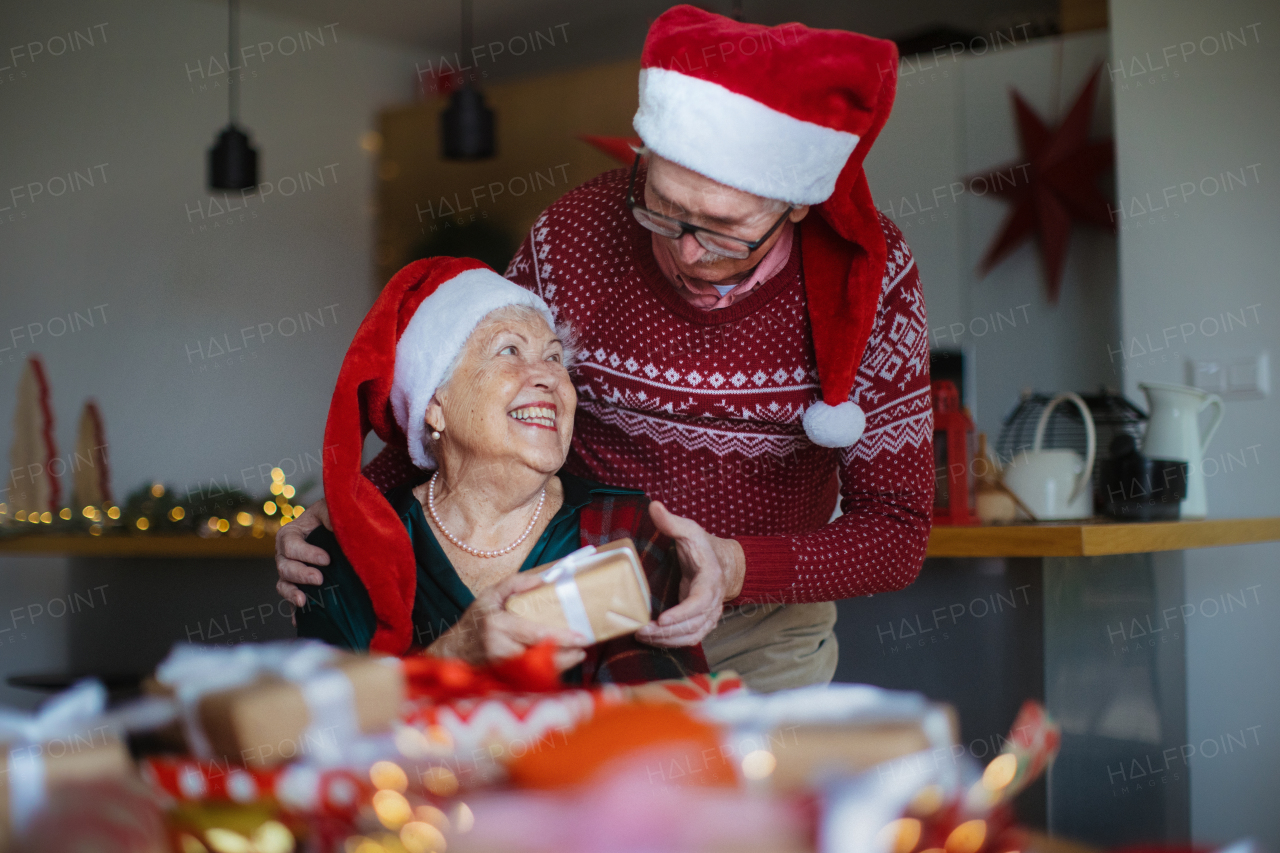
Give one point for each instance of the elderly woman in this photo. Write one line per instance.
(470, 371)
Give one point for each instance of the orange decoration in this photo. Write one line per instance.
(968, 837)
(671, 746)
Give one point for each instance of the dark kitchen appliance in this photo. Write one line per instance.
(1134, 487)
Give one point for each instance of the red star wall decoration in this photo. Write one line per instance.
(620, 148)
(1054, 184)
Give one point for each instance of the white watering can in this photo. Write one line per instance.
(1054, 484)
(1173, 432)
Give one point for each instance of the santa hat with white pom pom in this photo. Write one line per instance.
(788, 113)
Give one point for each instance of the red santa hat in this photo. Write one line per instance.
(397, 360)
(788, 113)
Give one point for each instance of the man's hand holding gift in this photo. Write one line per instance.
(712, 570)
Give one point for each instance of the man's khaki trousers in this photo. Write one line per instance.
(776, 646)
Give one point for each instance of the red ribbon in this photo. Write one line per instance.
(444, 679)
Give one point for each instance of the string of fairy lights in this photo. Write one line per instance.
(158, 509)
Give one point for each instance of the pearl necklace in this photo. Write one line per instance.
(476, 552)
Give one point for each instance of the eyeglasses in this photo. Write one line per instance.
(712, 241)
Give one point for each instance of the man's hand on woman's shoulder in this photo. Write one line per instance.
(296, 558)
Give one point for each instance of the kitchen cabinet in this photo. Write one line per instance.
(1090, 618)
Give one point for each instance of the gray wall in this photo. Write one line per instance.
(141, 104)
(1208, 104)
(953, 120)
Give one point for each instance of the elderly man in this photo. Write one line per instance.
(753, 341)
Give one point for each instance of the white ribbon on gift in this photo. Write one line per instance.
(194, 671)
(563, 575)
(63, 715)
(751, 716)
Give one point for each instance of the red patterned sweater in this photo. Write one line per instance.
(702, 409)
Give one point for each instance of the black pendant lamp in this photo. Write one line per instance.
(233, 162)
(466, 125)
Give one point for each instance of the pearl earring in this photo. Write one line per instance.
(435, 435)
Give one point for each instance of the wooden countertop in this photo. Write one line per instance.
(1096, 539)
(1065, 539)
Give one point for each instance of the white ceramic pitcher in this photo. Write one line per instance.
(1054, 484)
(1173, 432)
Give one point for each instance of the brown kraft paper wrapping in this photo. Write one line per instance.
(265, 723)
(614, 591)
(807, 752)
(72, 759)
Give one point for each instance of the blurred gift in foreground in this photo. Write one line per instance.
(261, 705)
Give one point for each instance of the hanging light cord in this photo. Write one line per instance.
(467, 24)
(1056, 91)
(467, 36)
(233, 42)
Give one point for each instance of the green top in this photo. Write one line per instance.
(339, 611)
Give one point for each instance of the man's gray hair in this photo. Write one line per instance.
(776, 205)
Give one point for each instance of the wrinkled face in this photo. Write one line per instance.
(510, 401)
(680, 193)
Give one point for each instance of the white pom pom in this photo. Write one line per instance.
(299, 787)
(834, 426)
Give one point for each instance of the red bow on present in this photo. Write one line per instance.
(444, 679)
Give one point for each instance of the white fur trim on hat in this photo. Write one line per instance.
(434, 337)
(834, 426)
(738, 141)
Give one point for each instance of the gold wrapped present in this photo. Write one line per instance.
(805, 753)
(261, 705)
(794, 739)
(29, 772)
(600, 593)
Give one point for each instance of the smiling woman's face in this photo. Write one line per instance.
(510, 399)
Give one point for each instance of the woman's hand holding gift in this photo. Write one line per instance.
(487, 633)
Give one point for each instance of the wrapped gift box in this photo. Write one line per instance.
(29, 772)
(805, 753)
(600, 592)
(480, 735)
(264, 704)
(795, 739)
(269, 721)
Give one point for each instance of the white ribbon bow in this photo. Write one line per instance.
(58, 717)
(64, 715)
(563, 575)
(193, 671)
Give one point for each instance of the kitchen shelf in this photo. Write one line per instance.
(1097, 538)
(1066, 539)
